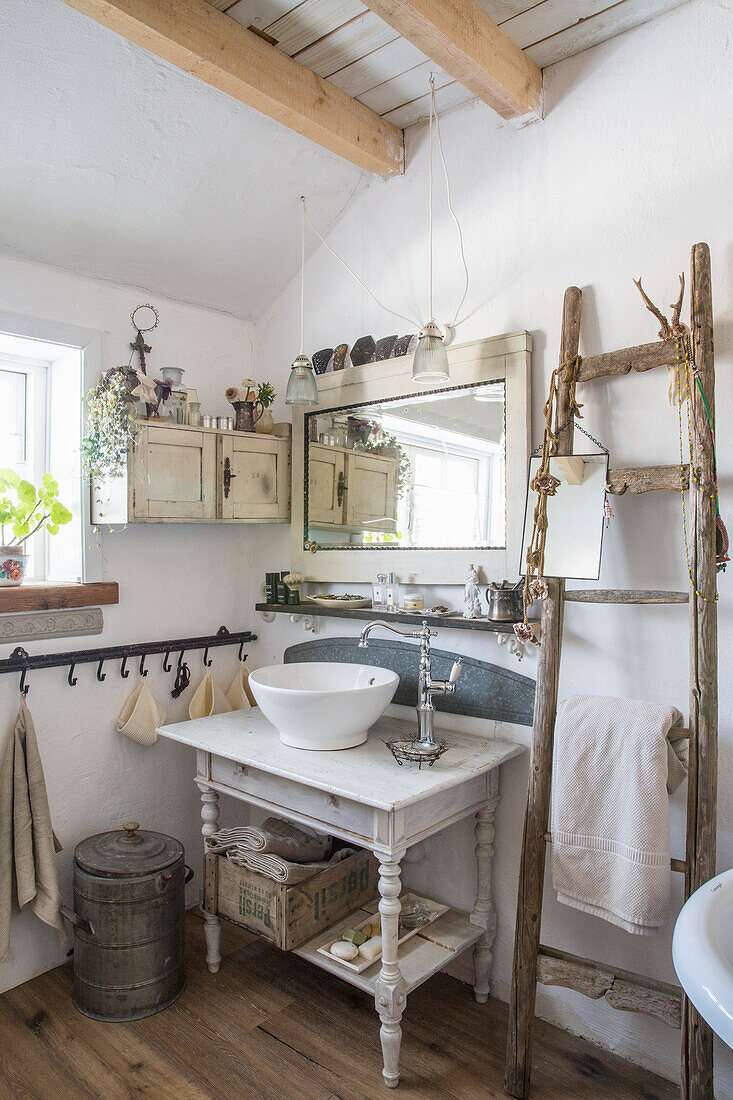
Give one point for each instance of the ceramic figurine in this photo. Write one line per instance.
(471, 595)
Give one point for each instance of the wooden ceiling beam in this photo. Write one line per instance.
(461, 38)
(196, 37)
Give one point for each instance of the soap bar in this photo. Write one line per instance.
(357, 937)
(371, 948)
(343, 950)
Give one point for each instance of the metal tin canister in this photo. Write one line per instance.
(129, 909)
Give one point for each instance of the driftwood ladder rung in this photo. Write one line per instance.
(624, 595)
(549, 966)
(622, 989)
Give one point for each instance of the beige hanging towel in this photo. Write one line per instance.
(208, 699)
(141, 716)
(613, 771)
(28, 844)
(240, 695)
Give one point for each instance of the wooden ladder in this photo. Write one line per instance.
(533, 962)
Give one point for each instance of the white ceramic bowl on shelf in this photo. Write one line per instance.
(323, 705)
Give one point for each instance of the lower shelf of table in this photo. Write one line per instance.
(419, 958)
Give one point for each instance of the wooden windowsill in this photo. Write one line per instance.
(41, 596)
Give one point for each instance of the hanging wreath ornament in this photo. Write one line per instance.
(545, 485)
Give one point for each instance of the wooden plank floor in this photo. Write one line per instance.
(271, 1027)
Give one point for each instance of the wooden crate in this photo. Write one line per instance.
(289, 915)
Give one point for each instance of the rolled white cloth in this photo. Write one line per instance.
(274, 837)
(615, 763)
(281, 870)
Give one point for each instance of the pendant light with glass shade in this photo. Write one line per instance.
(430, 362)
(302, 387)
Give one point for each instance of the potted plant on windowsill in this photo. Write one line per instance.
(24, 509)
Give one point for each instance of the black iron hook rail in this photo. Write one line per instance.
(21, 661)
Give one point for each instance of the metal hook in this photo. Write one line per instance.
(101, 675)
(240, 657)
(71, 679)
(207, 659)
(180, 659)
(166, 666)
(24, 687)
(143, 670)
(124, 670)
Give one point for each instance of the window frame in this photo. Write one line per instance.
(88, 342)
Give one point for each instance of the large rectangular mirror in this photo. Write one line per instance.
(424, 470)
(392, 475)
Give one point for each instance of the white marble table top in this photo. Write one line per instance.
(368, 774)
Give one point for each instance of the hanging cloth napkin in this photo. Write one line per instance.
(141, 716)
(274, 837)
(208, 699)
(281, 870)
(240, 694)
(613, 770)
(28, 844)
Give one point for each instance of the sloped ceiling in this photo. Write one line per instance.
(118, 166)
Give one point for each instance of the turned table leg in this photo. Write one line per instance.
(483, 910)
(210, 811)
(390, 995)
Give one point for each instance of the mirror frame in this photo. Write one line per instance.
(506, 358)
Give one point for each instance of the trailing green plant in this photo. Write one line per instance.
(266, 394)
(25, 509)
(385, 443)
(112, 423)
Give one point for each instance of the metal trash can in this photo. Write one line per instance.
(129, 910)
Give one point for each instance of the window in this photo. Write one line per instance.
(40, 431)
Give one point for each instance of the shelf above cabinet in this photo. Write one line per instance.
(366, 613)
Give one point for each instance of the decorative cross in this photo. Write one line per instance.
(142, 348)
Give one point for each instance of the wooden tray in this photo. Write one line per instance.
(358, 964)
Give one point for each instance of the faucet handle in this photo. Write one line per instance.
(455, 672)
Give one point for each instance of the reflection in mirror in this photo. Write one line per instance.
(424, 471)
(574, 517)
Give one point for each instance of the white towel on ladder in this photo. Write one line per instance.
(613, 770)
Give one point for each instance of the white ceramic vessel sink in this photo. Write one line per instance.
(323, 705)
(702, 950)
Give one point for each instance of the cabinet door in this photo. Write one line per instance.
(371, 492)
(326, 486)
(256, 483)
(174, 474)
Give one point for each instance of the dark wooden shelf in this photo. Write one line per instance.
(366, 613)
(53, 597)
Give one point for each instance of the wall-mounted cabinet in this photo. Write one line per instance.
(351, 490)
(198, 475)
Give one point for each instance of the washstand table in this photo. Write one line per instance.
(363, 796)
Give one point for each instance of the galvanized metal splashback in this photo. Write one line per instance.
(483, 691)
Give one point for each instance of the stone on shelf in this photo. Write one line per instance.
(402, 346)
(384, 348)
(321, 359)
(363, 351)
(340, 355)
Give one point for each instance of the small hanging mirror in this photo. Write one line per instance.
(575, 515)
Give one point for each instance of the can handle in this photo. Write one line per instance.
(189, 874)
(77, 921)
(166, 876)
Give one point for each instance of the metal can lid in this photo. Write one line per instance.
(127, 852)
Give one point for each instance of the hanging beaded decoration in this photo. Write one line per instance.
(685, 392)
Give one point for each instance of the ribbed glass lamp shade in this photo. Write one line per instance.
(302, 388)
(430, 362)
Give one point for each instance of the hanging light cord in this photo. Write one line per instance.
(353, 274)
(302, 281)
(430, 202)
(322, 239)
(434, 112)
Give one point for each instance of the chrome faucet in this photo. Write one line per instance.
(427, 686)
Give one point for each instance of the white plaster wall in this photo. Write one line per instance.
(633, 164)
(175, 581)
